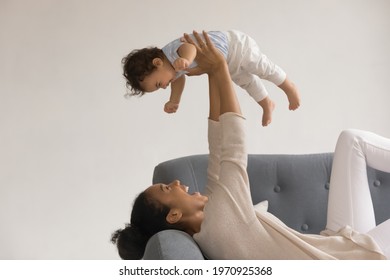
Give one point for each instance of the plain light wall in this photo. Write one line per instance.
(74, 152)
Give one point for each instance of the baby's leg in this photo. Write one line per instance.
(256, 89)
(255, 62)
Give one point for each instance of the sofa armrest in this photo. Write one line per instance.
(172, 245)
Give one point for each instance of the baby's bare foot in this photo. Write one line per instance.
(268, 107)
(293, 97)
(292, 93)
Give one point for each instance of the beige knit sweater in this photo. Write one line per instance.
(232, 229)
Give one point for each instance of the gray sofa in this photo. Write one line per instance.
(295, 186)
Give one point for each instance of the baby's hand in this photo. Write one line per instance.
(181, 64)
(171, 107)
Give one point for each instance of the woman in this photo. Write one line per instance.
(224, 222)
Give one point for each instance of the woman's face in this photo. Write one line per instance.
(176, 196)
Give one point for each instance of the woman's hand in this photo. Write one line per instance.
(208, 57)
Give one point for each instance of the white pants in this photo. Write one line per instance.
(248, 65)
(350, 200)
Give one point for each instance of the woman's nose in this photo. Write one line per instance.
(176, 183)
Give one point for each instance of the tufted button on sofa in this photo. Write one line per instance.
(296, 187)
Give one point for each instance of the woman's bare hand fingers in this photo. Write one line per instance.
(207, 38)
(199, 39)
(189, 40)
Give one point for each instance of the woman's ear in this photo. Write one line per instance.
(174, 216)
(157, 62)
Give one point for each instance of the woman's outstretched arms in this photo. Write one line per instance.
(229, 166)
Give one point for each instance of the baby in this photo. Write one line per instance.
(149, 69)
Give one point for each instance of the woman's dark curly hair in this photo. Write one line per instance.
(147, 218)
(137, 65)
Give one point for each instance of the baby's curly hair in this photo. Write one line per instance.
(137, 65)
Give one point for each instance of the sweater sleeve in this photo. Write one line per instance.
(233, 162)
(214, 140)
(227, 154)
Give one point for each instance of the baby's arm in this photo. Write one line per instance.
(187, 53)
(177, 88)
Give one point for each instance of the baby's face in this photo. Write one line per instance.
(161, 77)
